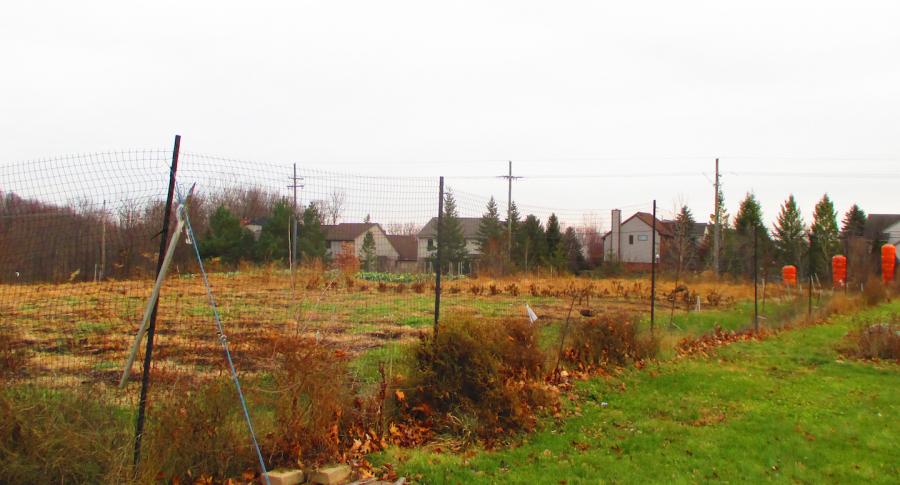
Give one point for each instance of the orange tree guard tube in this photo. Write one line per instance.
(888, 260)
(789, 275)
(839, 270)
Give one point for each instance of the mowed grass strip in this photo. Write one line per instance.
(787, 409)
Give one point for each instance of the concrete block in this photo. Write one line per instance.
(286, 477)
(333, 475)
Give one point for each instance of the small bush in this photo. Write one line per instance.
(418, 287)
(197, 431)
(477, 371)
(62, 438)
(13, 353)
(874, 292)
(611, 338)
(876, 341)
(312, 390)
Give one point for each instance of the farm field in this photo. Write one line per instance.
(79, 333)
(786, 409)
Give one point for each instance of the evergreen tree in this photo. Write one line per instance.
(311, 240)
(367, 252)
(273, 239)
(824, 231)
(706, 248)
(225, 238)
(492, 239)
(854, 222)
(532, 242)
(513, 225)
(684, 245)
(490, 229)
(790, 234)
(554, 234)
(451, 239)
(574, 254)
(748, 224)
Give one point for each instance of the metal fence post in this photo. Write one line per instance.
(755, 281)
(812, 239)
(438, 259)
(148, 353)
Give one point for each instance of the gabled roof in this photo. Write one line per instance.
(469, 227)
(664, 228)
(406, 247)
(347, 231)
(876, 224)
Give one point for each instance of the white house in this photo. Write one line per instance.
(629, 241)
(353, 234)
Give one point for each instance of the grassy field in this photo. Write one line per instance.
(79, 333)
(786, 409)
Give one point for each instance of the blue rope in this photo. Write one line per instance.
(224, 341)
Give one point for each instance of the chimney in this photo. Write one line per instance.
(616, 236)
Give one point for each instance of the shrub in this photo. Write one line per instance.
(13, 353)
(874, 292)
(197, 431)
(312, 390)
(478, 371)
(61, 438)
(610, 338)
(876, 341)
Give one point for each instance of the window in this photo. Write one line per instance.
(430, 244)
(642, 237)
(631, 239)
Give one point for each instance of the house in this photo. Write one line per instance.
(407, 253)
(352, 234)
(427, 241)
(883, 229)
(628, 242)
(254, 226)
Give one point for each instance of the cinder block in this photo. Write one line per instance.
(286, 477)
(333, 475)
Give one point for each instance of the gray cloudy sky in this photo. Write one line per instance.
(644, 88)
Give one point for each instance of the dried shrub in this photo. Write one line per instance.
(382, 286)
(874, 292)
(13, 353)
(493, 289)
(311, 392)
(875, 341)
(346, 261)
(418, 287)
(61, 438)
(611, 338)
(476, 289)
(481, 373)
(198, 430)
(400, 288)
(512, 289)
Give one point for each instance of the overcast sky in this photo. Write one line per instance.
(655, 90)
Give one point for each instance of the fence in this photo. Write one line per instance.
(345, 259)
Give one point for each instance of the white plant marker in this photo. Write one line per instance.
(531, 315)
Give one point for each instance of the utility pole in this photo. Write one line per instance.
(509, 178)
(102, 243)
(294, 185)
(716, 228)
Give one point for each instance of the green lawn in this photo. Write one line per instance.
(787, 409)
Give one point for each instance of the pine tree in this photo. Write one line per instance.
(492, 239)
(854, 222)
(684, 246)
(311, 240)
(532, 242)
(706, 248)
(513, 225)
(367, 252)
(490, 229)
(574, 253)
(748, 224)
(789, 234)
(554, 234)
(273, 239)
(824, 231)
(451, 239)
(225, 238)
